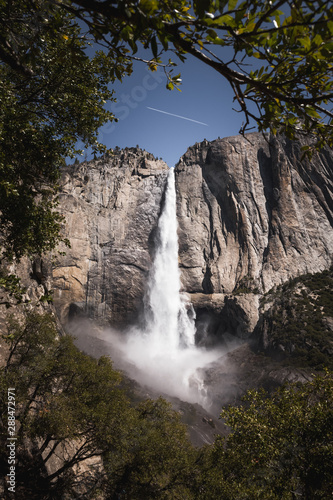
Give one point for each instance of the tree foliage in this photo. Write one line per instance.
(297, 321)
(158, 460)
(280, 446)
(72, 406)
(62, 397)
(52, 95)
(71, 409)
(288, 88)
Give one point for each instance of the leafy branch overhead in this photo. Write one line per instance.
(277, 55)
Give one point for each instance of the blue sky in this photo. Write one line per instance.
(205, 97)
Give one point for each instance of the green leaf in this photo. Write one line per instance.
(200, 7)
(330, 26)
(164, 41)
(312, 112)
(306, 42)
(149, 6)
(227, 19)
(211, 33)
(261, 71)
(153, 44)
(232, 4)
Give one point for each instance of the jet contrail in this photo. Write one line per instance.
(178, 116)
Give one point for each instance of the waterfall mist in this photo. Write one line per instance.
(163, 351)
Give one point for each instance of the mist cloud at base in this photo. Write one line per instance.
(178, 374)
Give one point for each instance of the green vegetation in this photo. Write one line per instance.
(280, 447)
(79, 436)
(71, 405)
(12, 285)
(290, 85)
(156, 461)
(300, 321)
(52, 95)
(246, 285)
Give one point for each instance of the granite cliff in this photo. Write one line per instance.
(111, 206)
(252, 214)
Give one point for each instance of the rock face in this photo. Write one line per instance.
(111, 206)
(251, 214)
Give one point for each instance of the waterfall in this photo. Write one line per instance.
(162, 354)
(169, 327)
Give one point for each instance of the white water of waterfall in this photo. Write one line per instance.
(163, 352)
(168, 325)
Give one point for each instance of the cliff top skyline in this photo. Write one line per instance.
(165, 122)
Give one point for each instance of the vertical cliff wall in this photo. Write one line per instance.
(252, 214)
(111, 206)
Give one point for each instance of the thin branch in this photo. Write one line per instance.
(53, 449)
(267, 14)
(9, 57)
(241, 78)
